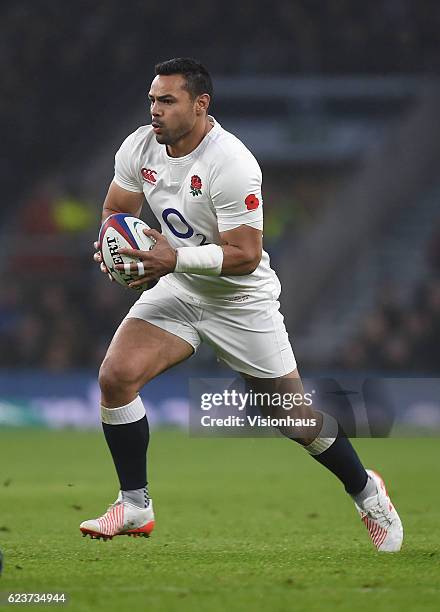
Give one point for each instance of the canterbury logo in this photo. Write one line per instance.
(148, 175)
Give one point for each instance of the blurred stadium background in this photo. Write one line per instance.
(339, 102)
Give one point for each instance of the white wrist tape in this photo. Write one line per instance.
(206, 260)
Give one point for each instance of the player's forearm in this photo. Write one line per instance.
(242, 250)
(237, 262)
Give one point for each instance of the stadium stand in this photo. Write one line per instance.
(65, 91)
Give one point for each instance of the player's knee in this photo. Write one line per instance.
(115, 376)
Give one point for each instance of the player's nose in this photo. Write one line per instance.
(155, 110)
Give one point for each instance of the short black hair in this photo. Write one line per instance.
(197, 77)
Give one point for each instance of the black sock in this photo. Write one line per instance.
(341, 459)
(128, 445)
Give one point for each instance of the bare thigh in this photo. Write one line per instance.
(138, 352)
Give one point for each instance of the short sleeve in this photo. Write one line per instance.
(235, 190)
(126, 174)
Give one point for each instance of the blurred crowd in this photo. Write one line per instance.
(402, 334)
(59, 326)
(398, 337)
(66, 319)
(66, 73)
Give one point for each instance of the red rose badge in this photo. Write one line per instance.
(252, 202)
(196, 185)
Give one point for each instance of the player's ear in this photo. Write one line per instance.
(202, 103)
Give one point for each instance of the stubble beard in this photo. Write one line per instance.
(171, 139)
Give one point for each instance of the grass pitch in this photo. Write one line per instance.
(242, 524)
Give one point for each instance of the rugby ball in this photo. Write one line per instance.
(122, 231)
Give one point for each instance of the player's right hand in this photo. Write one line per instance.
(97, 257)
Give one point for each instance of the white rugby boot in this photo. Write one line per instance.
(381, 518)
(121, 518)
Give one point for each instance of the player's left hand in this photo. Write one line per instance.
(159, 261)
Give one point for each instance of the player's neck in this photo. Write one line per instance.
(190, 141)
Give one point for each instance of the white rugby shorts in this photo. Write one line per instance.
(248, 335)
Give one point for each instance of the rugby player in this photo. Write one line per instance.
(215, 285)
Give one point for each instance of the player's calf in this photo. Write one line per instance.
(283, 397)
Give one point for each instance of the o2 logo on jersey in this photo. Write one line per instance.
(252, 202)
(148, 175)
(184, 229)
(196, 185)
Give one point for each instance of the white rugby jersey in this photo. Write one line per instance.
(216, 187)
